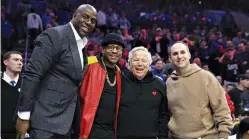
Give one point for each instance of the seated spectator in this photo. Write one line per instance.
(158, 69)
(243, 129)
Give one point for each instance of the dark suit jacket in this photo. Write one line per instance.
(50, 84)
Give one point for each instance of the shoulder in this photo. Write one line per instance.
(92, 60)
(159, 82)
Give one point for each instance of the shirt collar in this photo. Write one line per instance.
(7, 78)
(76, 35)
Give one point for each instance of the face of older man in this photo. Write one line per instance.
(139, 64)
(180, 55)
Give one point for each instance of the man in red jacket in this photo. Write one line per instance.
(101, 90)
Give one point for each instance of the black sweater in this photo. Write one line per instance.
(9, 100)
(143, 111)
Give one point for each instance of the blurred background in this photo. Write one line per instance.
(212, 28)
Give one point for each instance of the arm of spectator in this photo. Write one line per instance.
(220, 60)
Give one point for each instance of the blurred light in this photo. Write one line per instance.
(199, 2)
(155, 18)
(203, 19)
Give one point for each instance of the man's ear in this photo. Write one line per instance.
(5, 62)
(170, 60)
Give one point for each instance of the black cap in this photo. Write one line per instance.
(113, 38)
(243, 127)
(242, 77)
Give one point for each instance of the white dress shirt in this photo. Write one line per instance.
(81, 43)
(7, 79)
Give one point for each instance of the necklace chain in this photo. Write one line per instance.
(107, 77)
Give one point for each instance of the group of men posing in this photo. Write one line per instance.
(65, 94)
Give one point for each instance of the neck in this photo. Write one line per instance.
(181, 71)
(12, 75)
(108, 63)
(240, 87)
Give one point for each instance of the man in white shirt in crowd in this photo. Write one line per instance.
(10, 83)
(34, 24)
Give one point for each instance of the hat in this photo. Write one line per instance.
(243, 127)
(242, 77)
(113, 38)
(158, 29)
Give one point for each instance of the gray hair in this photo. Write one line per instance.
(138, 49)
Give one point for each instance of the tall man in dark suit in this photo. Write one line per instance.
(49, 104)
(10, 82)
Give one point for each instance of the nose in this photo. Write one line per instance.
(114, 50)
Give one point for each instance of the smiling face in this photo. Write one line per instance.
(139, 64)
(84, 19)
(112, 53)
(180, 55)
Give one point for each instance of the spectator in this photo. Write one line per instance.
(112, 19)
(101, 18)
(34, 24)
(124, 23)
(158, 71)
(235, 93)
(159, 44)
(11, 82)
(204, 52)
(53, 21)
(230, 67)
(127, 39)
(242, 58)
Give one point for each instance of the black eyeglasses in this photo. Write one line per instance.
(112, 47)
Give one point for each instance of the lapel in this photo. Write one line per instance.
(75, 52)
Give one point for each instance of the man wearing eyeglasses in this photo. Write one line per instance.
(101, 90)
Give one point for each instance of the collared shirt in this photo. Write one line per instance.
(8, 80)
(81, 43)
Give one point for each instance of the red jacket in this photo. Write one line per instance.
(90, 93)
(230, 104)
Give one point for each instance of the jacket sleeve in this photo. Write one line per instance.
(164, 117)
(230, 104)
(41, 61)
(219, 106)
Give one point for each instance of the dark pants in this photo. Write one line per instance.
(41, 134)
(8, 135)
(33, 32)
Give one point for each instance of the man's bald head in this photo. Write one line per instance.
(179, 44)
(86, 8)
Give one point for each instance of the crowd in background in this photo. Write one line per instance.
(221, 49)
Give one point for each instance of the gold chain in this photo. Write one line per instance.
(107, 77)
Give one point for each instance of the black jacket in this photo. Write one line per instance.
(143, 111)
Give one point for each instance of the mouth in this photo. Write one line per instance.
(85, 29)
(139, 69)
(180, 61)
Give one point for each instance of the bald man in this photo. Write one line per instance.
(49, 106)
(196, 100)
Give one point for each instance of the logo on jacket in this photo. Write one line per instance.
(154, 93)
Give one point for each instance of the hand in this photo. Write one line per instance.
(22, 127)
